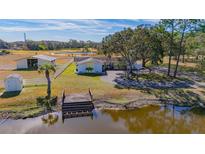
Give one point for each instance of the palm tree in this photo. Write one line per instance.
(47, 68)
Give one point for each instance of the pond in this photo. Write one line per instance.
(150, 119)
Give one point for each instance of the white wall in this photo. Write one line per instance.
(13, 84)
(22, 64)
(81, 68)
(97, 68)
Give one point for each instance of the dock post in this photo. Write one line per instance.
(91, 96)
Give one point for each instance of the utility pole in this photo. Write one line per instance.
(25, 37)
(25, 41)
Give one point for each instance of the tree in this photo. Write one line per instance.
(148, 45)
(169, 33)
(86, 48)
(122, 43)
(195, 44)
(47, 69)
(4, 45)
(42, 46)
(184, 27)
(107, 49)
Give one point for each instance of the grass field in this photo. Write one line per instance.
(24, 104)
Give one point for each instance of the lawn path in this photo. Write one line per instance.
(62, 68)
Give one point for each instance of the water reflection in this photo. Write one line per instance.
(155, 119)
(66, 115)
(150, 119)
(50, 119)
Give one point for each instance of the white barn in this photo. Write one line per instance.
(13, 82)
(34, 62)
(90, 65)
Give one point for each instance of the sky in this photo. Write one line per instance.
(64, 30)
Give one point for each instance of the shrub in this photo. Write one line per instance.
(47, 103)
(4, 52)
(201, 65)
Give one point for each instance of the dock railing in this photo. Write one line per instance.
(63, 96)
(91, 96)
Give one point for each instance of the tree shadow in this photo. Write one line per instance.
(10, 94)
(153, 81)
(25, 69)
(177, 96)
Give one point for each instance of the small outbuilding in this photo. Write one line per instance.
(90, 65)
(34, 62)
(137, 66)
(13, 82)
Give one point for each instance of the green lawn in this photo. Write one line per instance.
(24, 103)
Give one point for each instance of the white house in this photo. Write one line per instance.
(90, 65)
(34, 62)
(13, 82)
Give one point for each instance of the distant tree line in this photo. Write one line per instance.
(47, 45)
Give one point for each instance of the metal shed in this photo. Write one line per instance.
(13, 82)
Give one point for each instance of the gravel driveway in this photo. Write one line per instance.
(111, 76)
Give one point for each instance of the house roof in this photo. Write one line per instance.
(15, 76)
(45, 57)
(90, 60)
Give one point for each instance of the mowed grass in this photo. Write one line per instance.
(73, 83)
(24, 104)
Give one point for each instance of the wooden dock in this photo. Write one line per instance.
(77, 105)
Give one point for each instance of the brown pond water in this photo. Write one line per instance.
(151, 119)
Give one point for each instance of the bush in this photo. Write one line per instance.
(47, 103)
(201, 65)
(4, 52)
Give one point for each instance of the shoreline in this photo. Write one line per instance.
(136, 104)
(101, 105)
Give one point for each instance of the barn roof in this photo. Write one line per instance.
(90, 60)
(45, 57)
(14, 76)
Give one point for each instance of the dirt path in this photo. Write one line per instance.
(62, 68)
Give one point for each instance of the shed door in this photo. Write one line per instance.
(32, 63)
